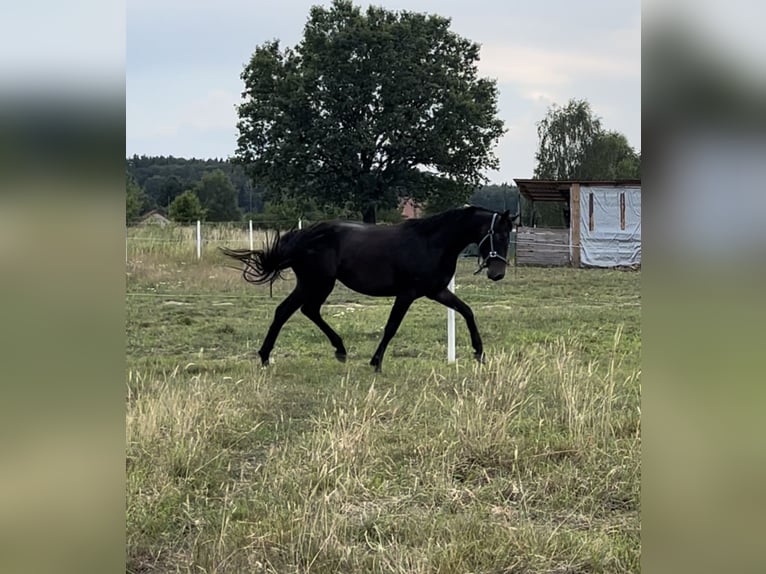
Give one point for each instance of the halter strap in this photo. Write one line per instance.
(492, 253)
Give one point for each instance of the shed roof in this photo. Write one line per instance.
(558, 189)
(154, 216)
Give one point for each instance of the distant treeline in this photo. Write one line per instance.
(163, 178)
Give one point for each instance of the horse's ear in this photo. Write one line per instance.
(511, 219)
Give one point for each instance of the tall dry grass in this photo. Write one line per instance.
(173, 243)
(515, 466)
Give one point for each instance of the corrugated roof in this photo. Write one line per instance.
(558, 190)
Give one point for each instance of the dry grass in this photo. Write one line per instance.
(175, 243)
(481, 472)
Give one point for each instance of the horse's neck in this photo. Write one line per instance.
(465, 230)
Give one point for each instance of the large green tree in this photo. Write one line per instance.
(218, 196)
(572, 144)
(369, 108)
(186, 208)
(611, 157)
(135, 200)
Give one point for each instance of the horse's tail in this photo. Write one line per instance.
(263, 265)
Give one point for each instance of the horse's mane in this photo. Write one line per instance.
(425, 225)
(441, 220)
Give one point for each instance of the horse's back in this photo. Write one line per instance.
(374, 260)
(384, 260)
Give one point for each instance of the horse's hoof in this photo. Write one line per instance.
(375, 362)
(340, 356)
(481, 358)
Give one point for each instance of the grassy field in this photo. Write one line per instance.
(530, 463)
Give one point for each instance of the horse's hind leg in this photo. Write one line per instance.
(311, 308)
(283, 312)
(399, 310)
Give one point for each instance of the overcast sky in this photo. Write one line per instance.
(184, 59)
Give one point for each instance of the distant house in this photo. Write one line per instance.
(154, 217)
(410, 209)
(603, 228)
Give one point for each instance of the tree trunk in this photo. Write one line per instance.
(369, 214)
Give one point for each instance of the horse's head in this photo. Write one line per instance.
(493, 246)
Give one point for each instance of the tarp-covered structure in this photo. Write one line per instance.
(604, 224)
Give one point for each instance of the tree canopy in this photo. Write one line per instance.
(218, 197)
(572, 144)
(186, 208)
(497, 198)
(163, 178)
(135, 199)
(369, 108)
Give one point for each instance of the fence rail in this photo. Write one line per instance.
(185, 240)
(192, 239)
(182, 240)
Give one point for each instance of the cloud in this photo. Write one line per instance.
(536, 67)
(215, 110)
(539, 96)
(543, 74)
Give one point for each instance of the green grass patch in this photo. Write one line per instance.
(529, 463)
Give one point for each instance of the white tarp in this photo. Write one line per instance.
(608, 244)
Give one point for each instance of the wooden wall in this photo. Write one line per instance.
(543, 247)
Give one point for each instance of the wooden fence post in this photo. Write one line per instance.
(574, 222)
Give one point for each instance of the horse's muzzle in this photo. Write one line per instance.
(496, 269)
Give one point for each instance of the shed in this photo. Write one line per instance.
(154, 217)
(604, 224)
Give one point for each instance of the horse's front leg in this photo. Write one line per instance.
(399, 310)
(449, 299)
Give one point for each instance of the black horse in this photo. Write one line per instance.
(416, 258)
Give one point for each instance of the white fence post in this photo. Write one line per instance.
(300, 223)
(451, 327)
(199, 239)
(251, 235)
